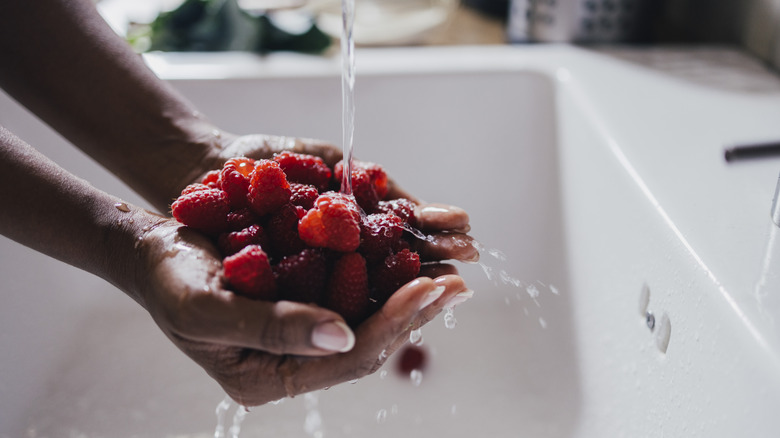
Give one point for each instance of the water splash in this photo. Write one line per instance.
(415, 337)
(416, 377)
(222, 413)
(449, 318)
(418, 234)
(238, 419)
(312, 425)
(381, 416)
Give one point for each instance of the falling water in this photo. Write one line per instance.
(347, 92)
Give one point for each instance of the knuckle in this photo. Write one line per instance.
(272, 335)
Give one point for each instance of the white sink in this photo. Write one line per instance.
(597, 177)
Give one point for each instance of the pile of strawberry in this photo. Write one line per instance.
(286, 233)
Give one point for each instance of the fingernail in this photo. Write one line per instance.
(435, 209)
(333, 336)
(432, 296)
(460, 298)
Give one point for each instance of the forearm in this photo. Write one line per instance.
(58, 214)
(65, 64)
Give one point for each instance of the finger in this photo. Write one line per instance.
(433, 270)
(455, 292)
(442, 217)
(373, 336)
(447, 246)
(378, 337)
(283, 327)
(444, 289)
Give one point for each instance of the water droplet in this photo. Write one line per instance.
(415, 337)
(453, 410)
(497, 254)
(554, 290)
(381, 416)
(277, 402)
(417, 233)
(121, 206)
(533, 291)
(353, 381)
(542, 322)
(416, 377)
(221, 412)
(313, 421)
(146, 228)
(382, 356)
(449, 319)
(238, 419)
(216, 133)
(489, 271)
(383, 374)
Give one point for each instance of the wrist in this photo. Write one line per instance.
(128, 240)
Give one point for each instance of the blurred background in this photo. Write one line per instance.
(311, 26)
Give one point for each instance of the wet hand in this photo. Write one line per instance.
(263, 351)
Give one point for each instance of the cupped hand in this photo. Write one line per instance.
(262, 351)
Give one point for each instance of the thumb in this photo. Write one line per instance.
(282, 327)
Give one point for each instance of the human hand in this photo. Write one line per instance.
(262, 351)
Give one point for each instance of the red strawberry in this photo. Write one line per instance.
(233, 242)
(234, 180)
(347, 292)
(333, 223)
(282, 231)
(305, 169)
(302, 277)
(379, 235)
(204, 210)
(303, 195)
(249, 273)
(268, 187)
(401, 207)
(395, 271)
(211, 179)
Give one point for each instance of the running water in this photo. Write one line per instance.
(222, 413)
(347, 92)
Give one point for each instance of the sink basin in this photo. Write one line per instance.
(620, 292)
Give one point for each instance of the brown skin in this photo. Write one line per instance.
(78, 76)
